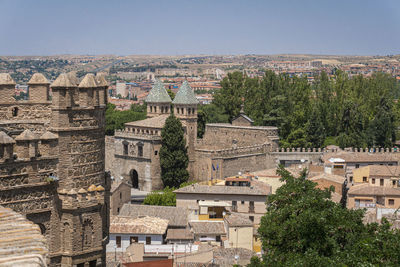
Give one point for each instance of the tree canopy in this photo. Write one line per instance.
(173, 153)
(334, 109)
(303, 227)
(115, 119)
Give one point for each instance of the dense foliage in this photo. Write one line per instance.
(165, 197)
(173, 153)
(115, 119)
(303, 227)
(335, 109)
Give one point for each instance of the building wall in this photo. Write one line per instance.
(191, 200)
(219, 136)
(241, 237)
(359, 173)
(383, 199)
(146, 166)
(119, 197)
(125, 241)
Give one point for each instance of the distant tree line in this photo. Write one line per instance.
(349, 112)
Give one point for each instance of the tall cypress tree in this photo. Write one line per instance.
(173, 153)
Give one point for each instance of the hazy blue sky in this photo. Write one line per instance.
(46, 27)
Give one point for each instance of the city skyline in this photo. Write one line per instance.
(188, 27)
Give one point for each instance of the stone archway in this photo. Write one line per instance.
(134, 178)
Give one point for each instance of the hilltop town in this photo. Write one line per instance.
(91, 185)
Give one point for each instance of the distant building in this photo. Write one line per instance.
(377, 175)
(127, 230)
(120, 194)
(121, 90)
(214, 201)
(369, 196)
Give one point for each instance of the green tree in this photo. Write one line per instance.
(229, 97)
(382, 128)
(315, 130)
(173, 153)
(116, 119)
(166, 197)
(303, 227)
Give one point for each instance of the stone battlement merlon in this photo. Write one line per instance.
(237, 151)
(127, 134)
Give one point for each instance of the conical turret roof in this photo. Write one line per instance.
(101, 80)
(26, 135)
(5, 139)
(185, 95)
(5, 79)
(38, 78)
(63, 81)
(88, 81)
(158, 94)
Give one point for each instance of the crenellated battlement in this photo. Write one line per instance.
(83, 198)
(238, 151)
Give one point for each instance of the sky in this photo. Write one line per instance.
(215, 27)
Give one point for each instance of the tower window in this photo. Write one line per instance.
(125, 148)
(155, 109)
(15, 111)
(189, 110)
(162, 109)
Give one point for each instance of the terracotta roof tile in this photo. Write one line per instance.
(177, 217)
(143, 225)
(207, 227)
(370, 190)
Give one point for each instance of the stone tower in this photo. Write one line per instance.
(185, 108)
(77, 118)
(158, 100)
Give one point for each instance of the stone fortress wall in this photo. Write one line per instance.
(52, 163)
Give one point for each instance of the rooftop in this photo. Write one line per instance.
(158, 94)
(179, 234)
(155, 122)
(185, 95)
(238, 219)
(330, 177)
(382, 170)
(207, 227)
(177, 217)
(144, 225)
(257, 190)
(370, 190)
(21, 241)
